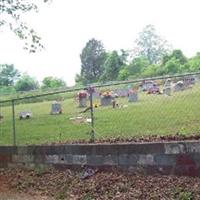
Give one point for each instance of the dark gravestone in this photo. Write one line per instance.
(133, 97)
(82, 102)
(106, 100)
(56, 108)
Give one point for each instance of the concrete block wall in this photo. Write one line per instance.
(180, 158)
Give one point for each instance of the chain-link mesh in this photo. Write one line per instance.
(138, 108)
(6, 125)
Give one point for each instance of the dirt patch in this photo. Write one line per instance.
(55, 184)
(138, 139)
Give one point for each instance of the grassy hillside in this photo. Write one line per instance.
(152, 114)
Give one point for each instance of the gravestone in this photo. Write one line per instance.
(106, 100)
(133, 96)
(167, 87)
(56, 108)
(121, 92)
(82, 102)
(82, 98)
(179, 86)
(25, 115)
(1, 116)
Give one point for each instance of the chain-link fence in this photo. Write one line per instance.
(164, 105)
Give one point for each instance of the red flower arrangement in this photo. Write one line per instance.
(82, 94)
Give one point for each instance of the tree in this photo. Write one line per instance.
(137, 65)
(53, 82)
(123, 74)
(150, 45)
(26, 83)
(8, 74)
(176, 54)
(173, 63)
(92, 58)
(194, 63)
(150, 71)
(112, 66)
(11, 12)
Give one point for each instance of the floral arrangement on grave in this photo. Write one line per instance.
(106, 94)
(134, 89)
(82, 94)
(82, 98)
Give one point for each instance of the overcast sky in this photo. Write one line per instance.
(66, 26)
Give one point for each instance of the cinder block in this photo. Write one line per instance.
(192, 147)
(111, 160)
(95, 160)
(128, 160)
(146, 160)
(22, 158)
(165, 160)
(4, 157)
(175, 148)
(79, 159)
(51, 159)
(22, 150)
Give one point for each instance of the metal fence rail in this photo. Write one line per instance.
(156, 105)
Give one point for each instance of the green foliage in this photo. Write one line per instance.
(176, 62)
(150, 45)
(123, 74)
(176, 55)
(112, 66)
(52, 82)
(92, 59)
(26, 83)
(180, 194)
(8, 74)
(5, 90)
(194, 62)
(11, 13)
(137, 65)
(150, 71)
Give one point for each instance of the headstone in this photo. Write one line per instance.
(83, 102)
(106, 100)
(146, 85)
(1, 116)
(82, 98)
(179, 86)
(25, 115)
(121, 92)
(189, 80)
(133, 96)
(167, 87)
(56, 108)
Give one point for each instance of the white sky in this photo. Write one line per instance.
(66, 26)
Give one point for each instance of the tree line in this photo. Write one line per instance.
(11, 80)
(151, 56)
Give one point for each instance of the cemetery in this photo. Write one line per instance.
(136, 133)
(135, 113)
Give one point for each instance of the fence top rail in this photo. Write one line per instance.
(102, 85)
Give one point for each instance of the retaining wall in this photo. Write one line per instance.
(180, 158)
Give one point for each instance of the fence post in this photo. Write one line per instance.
(13, 120)
(91, 90)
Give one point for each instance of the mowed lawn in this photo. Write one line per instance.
(152, 114)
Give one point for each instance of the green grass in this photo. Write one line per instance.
(152, 114)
